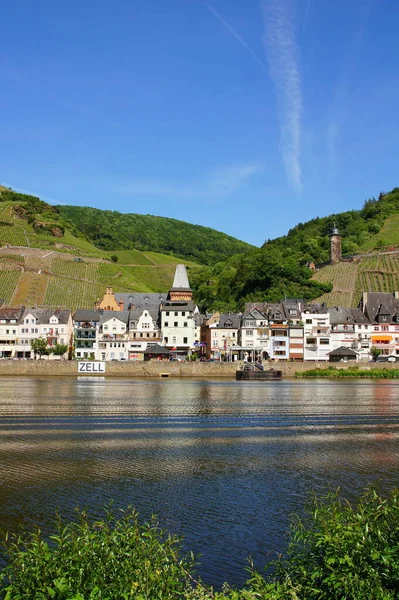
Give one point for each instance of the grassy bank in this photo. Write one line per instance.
(334, 373)
(338, 551)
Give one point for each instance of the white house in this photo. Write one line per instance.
(9, 333)
(112, 337)
(317, 339)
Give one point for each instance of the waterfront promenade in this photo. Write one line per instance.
(62, 368)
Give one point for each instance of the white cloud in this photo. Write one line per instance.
(282, 55)
(215, 184)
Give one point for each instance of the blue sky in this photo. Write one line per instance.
(248, 116)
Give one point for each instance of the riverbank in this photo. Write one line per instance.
(334, 373)
(193, 370)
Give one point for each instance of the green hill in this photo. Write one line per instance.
(45, 262)
(111, 230)
(278, 269)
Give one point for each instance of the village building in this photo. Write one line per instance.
(382, 310)
(221, 336)
(350, 328)
(109, 302)
(112, 336)
(9, 334)
(53, 325)
(343, 354)
(177, 315)
(316, 325)
(86, 325)
(254, 334)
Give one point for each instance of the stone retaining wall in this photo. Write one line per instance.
(45, 368)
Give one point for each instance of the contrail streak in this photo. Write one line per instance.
(236, 36)
(282, 54)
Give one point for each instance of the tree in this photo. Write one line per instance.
(59, 349)
(375, 352)
(39, 346)
(114, 258)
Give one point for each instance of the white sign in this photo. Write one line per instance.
(91, 367)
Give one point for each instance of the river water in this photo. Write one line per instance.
(222, 463)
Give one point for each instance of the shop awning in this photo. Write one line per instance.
(381, 338)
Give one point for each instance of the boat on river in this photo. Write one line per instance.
(257, 371)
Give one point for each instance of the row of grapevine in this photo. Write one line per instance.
(13, 235)
(15, 257)
(6, 215)
(8, 283)
(72, 294)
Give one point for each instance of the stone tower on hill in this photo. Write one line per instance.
(181, 288)
(335, 246)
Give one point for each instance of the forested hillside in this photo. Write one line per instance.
(111, 230)
(278, 269)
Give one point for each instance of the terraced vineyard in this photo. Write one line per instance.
(375, 273)
(31, 276)
(72, 294)
(8, 284)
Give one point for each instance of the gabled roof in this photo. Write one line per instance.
(136, 313)
(87, 315)
(157, 349)
(229, 321)
(9, 314)
(137, 300)
(382, 310)
(342, 351)
(120, 315)
(375, 300)
(43, 315)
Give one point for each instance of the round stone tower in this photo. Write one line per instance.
(335, 245)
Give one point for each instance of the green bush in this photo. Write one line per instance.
(339, 551)
(109, 558)
(343, 551)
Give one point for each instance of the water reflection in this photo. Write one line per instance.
(223, 463)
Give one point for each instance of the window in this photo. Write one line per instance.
(105, 327)
(7, 331)
(185, 323)
(324, 341)
(166, 323)
(166, 340)
(384, 328)
(308, 321)
(175, 324)
(376, 328)
(176, 314)
(174, 339)
(185, 340)
(249, 332)
(167, 313)
(183, 313)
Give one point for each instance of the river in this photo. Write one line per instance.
(222, 463)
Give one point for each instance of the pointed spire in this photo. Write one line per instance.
(181, 279)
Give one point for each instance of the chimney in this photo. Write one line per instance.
(121, 305)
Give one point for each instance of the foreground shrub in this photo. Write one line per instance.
(111, 558)
(339, 551)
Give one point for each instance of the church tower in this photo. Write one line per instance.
(180, 290)
(335, 246)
